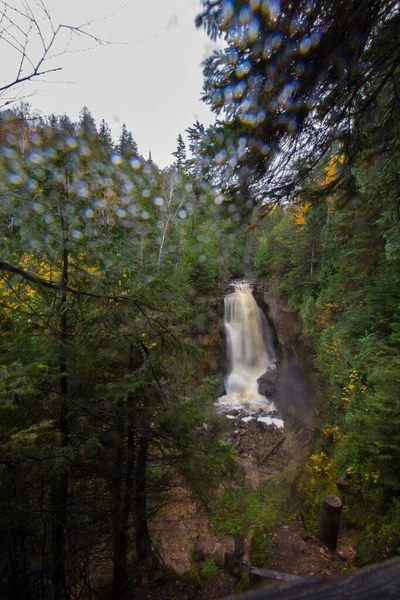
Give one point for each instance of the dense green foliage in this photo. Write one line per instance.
(108, 265)
(336, 261)
(104, 263)
(239, 508)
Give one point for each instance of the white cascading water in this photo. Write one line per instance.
(248, 354)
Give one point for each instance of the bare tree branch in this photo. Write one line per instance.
(21, 27)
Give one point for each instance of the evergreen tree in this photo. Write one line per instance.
(98, 264)
(105, 136)
(127, 146)
(180, 154)
(87, 124)
(285, 67)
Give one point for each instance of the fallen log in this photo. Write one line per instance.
(267, 574)
(274, 447)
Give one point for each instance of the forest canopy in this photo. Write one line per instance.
(112, 270)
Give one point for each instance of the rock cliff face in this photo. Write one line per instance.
(295, 385)
(292, 385)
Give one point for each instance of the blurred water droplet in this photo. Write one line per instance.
(31, 185)
(100, 203)
(9, 152)
(265, 149)
(254, 28)
(36, 139)
(244, 15)
(71, 142)
(220, 157)
(305, 45)
(15, 179)
(243, 68)
(85, 150)
(276, 41)
(227, 10)
(133, 209)
(82, 190)
(51, 153)
(116, 159)
(315, 39)
(35, 158)
(239, 90)
(135, 163)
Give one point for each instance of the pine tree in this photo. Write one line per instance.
(87, 124)
(127, 146)
(105, 136)
(284, 65)
(180, 154)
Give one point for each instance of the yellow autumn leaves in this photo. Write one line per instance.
(333, 170)
(18, 295)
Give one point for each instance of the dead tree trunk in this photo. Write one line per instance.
(330, 521)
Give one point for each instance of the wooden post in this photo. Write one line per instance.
(330, 521)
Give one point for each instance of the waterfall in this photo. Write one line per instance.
(249, 354)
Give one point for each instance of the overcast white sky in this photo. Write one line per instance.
(149, 77)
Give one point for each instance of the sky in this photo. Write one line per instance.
(149, 76)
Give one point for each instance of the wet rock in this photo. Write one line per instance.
(347, 553)
(266, 383)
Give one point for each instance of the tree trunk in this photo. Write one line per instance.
(59, 493)
(330, 521)
(142, 535)
(312, 258)
(120, 573)
(122, 510)
(59, 487)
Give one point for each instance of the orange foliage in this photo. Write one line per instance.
(250, 227)
(298, 214)
(333, 169)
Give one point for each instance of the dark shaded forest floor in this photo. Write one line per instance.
(299, 553)
(182, 526)
(295, 552)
